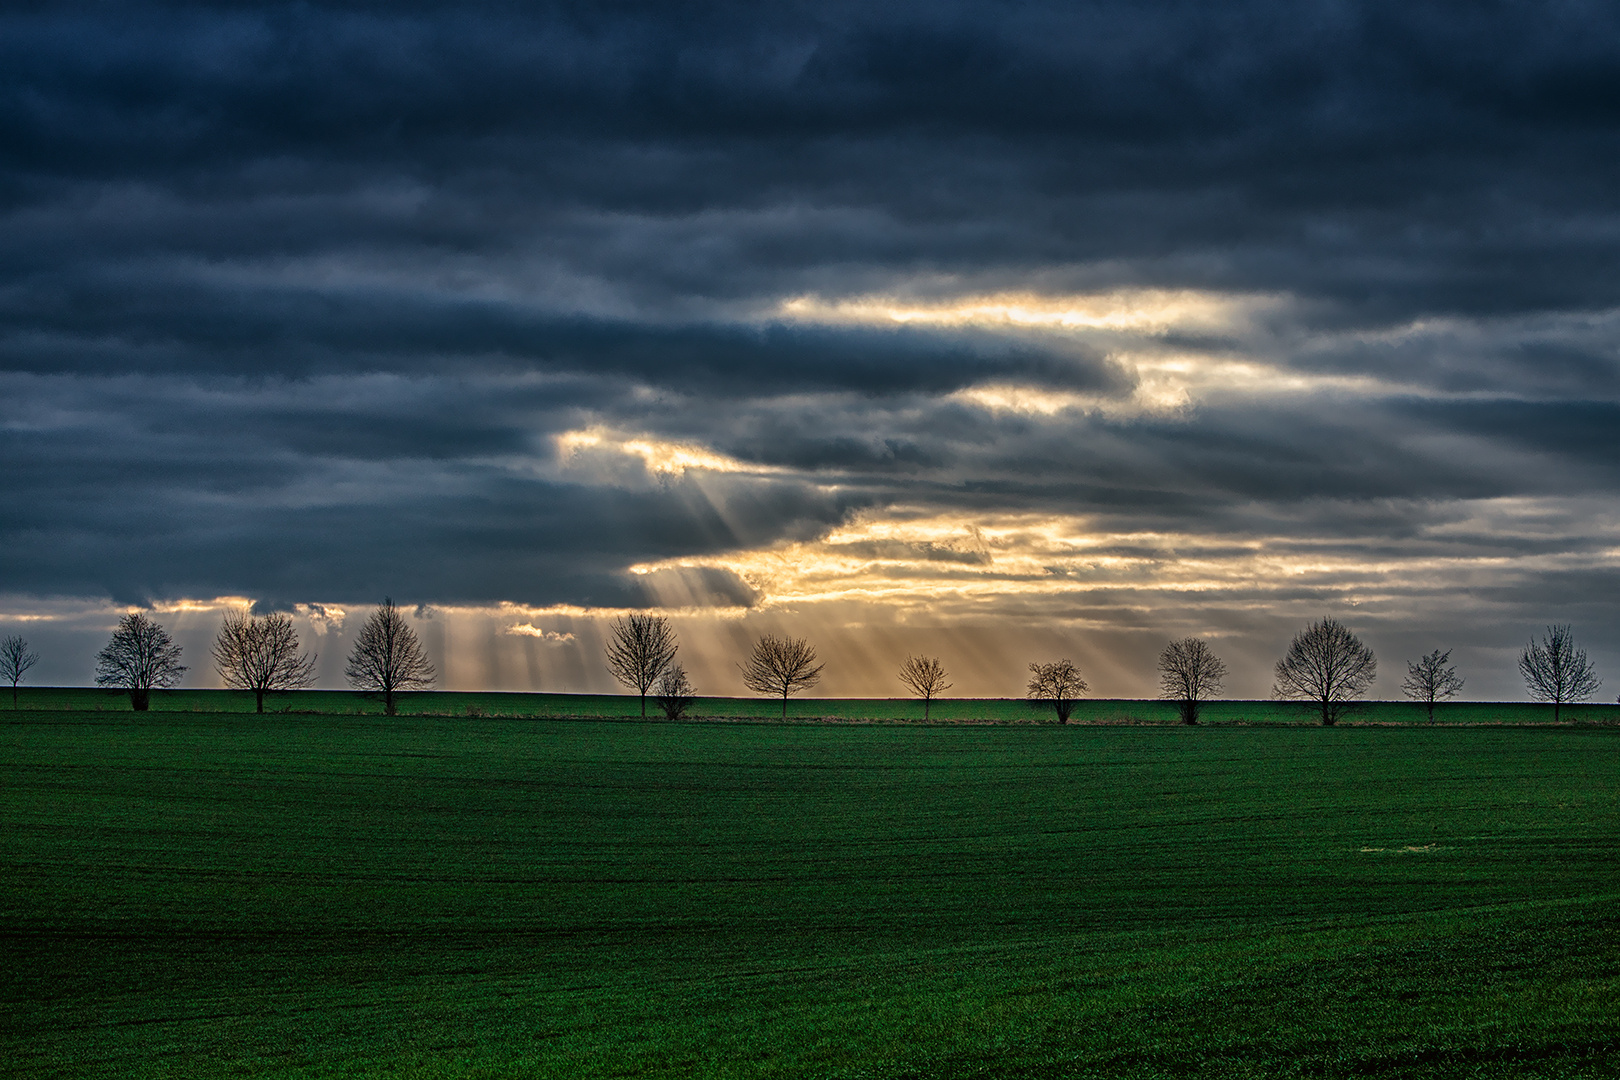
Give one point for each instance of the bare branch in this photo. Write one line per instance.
(388, 658)
(925, 675)
(1327, 664)
(139, 658)
(1189, 673)
(781, 666)
(1057, 685)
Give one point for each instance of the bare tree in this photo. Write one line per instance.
(139, 658)
(1431, 679)
(1327, 664)
(1057, 685)
(261, 655)
(1555, 670)
(15, 660)
(926, 677)
(673, 692)
(639, 649)
(781, 665)
(1189, 673)
(388, 658)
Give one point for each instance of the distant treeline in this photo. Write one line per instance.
(1326, 670)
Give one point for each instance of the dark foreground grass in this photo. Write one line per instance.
(219, 895)
(622, 706)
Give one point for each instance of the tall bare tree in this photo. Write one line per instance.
(261, 654)
(15, 660)
(1431, 679)
(639, 648)
(1057, 685)
(1327, 664)
(139, 658)
(1189, 674)
(673, 692)
(1555, 670)
(925, 675)
(781, 665)
(388, 657)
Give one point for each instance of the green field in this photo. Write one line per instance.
(620, 706)
(213, 894)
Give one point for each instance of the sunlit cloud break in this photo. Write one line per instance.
(539, 633)
(1146, 311)
(576, 449)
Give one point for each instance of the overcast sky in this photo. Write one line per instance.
(998, 332)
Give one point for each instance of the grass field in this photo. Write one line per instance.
(196, 894)
(618, 706)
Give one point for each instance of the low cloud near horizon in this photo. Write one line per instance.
(997, 332)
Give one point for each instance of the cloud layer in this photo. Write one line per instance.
(923, 323)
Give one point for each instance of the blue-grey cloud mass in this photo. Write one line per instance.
(1104, 322)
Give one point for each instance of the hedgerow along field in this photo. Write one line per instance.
(213, 894)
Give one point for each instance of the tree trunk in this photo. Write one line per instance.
(140, 699)
(258, 696)
(644, 704)
(925, 710)
(1327, 713)
(388, 701)
(1431, 711)
(784, 704)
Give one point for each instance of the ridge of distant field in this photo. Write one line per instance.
(907, 710)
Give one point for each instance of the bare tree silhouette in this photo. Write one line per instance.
(1057, 685)
(925, 675)
(139, 658)
(1431, 679)
(388, 658)
(781, 665)
(261, 654)
(1189, 672)
(673, 692)
(1555, 670)
(15, 660)
(1327, 664)
(639, 649)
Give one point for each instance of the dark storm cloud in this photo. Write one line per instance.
(295, 299)
(157, 488)
(299, 333)
(1220, 461)
(487, 541)
(1386, 157)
